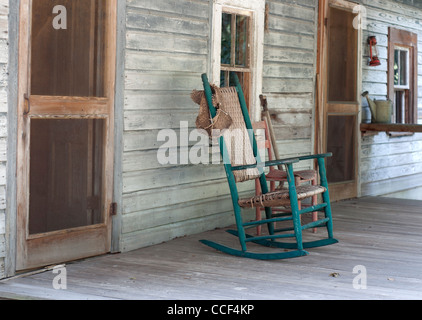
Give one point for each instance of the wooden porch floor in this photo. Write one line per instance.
(384, 235)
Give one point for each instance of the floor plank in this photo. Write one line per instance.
(381, 234)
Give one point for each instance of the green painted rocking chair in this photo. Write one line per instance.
(239, 139)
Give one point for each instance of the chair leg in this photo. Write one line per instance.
(258, 209)
(326, 197)
(299, 203)
(240, 229)
(295, 206)
(314, 203)
(272, 188)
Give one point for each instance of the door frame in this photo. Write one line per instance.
(338, 191)
(104, 109)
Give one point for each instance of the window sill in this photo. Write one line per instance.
(392, 129)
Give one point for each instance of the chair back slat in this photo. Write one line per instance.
(237, 136)
(237, 144)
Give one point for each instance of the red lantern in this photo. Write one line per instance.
(373, 51)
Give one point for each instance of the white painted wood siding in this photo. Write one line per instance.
(389, 164)
(289, 74)
(4, 11)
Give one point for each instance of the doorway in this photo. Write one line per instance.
(338, 95)
(65, 130)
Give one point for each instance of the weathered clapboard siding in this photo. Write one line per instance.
(164, 58)
(414, 194)
(389, 164)
(167, 49)
(289, 73)
(4, 54)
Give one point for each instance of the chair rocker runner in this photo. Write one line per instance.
(242, 162)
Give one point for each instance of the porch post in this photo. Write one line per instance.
(12, 102)
(116, 225)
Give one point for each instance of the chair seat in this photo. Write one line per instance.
(306, 175)
(280, 197)
(279, 175)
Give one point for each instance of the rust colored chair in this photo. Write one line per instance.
(276, 174)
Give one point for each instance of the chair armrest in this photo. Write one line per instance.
(266, 164)
(316, 156)
(281, 161)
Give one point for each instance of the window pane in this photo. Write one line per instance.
(396, 67)
(67, 48)
(244, 79)
(241, 41)
(342, 62)
(224, 78)
(66, 174)
(399, 101)
(226, 39)
(403, 68)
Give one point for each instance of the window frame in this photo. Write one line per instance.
(233, 66)
(404, 40)
(256, 10)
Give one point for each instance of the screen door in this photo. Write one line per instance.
(340, 63)
(65, 130)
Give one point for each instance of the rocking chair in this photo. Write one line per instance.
(277, 173)
(242, 162)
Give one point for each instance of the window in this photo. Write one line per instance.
(237, 45)
(234, 41)
(401, 83)
(402, 79)
(235, 50)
